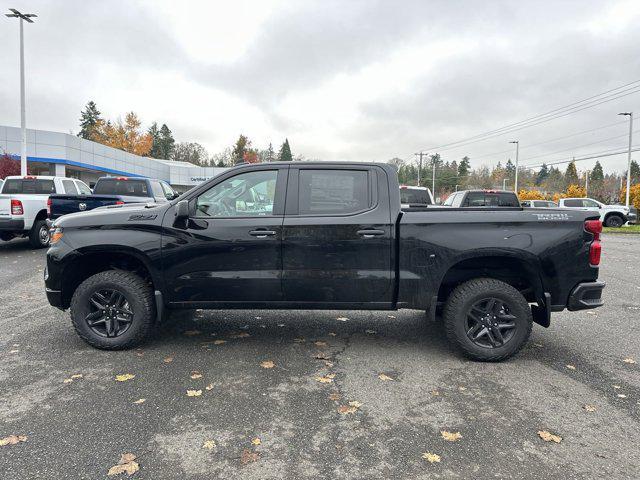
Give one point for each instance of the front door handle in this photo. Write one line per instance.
(370, 233)
(262, 233)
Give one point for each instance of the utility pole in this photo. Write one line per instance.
(586, 183)
(23, 121)
(433, 168)
(515, 183)
(504, 184)
(419, 165)
(630, 115)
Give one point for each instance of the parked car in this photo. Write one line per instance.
(23, 206)
(316, 235)
(539, 204)
(482, 198)
(610, 215)
(112, 191)
(415, 197)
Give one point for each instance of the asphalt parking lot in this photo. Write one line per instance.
(301, 394)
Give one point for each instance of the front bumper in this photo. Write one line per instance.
(632, 218)
(10, 225)
(55, 298)
(586, 295)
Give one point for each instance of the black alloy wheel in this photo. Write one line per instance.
(489, 323)
(109, 314)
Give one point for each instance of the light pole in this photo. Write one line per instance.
(23, 121)
(630, 114)
(586, 183)
(419, 165)
(515, 182)
(504, 184)
(433, 168)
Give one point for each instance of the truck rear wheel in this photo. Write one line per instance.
(613, 220)
(487, 320)
(113, 310)
(39, 234)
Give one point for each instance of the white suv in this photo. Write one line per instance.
(24, 203)
(610, 215)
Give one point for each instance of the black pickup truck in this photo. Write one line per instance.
(322, 236)
(112, 191)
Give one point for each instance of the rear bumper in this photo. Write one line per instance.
(10, 225)
(586, 295)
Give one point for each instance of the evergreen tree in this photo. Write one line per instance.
(89, 120)
(571, 175)
(240, 149)
(285, 152)
(597, 175)
(271, 155)
(510, 168)
(156, 150)
(635, 172)
(543, 174)
(167, 142)
(464, 168)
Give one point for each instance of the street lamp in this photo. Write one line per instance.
(23, 121)
(515, 183)
(504, 184)
(630, 114)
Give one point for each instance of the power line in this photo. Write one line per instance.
(591, 157)
(569, 109)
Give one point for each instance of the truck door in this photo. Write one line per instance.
(229, 251)
(337, 237)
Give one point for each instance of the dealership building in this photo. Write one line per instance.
(65, 155)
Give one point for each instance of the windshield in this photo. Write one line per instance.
(414, 196)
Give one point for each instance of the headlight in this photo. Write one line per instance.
(56, 234)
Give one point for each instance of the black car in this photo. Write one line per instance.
(322, 236)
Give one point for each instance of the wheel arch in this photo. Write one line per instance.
(90, 262)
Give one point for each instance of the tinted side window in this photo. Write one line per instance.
(69, 187)
(331, 192)
(84, 190)
(573, 203)
(590, 203)
(157, 190)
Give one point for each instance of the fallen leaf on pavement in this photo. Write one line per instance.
(590, 408)
(617, 387)
(168, 359)
(256, 441)
(191, 333)
(125, 465)
(371, 332)
(67, 380)
(570, 367)
(622, 395)
(461, 388)
(431, 457)
(334, 396)
(267, 364)
(549, 437)
(332, 334)
(391, 316)
(12, 440)
(299, 340)
(322, 356)
(75, 376)
(325, 379)
(344, 409)
(328, 364)
(630, 361)
(209, 445)
(342, 319)
(320, 344)
(435, 393)
(194, 393)
(209, 387)
(124, 377)
(451, 436)
(140, 400)
(219, 342)
(195, 375)
(248, 456)
(385, 378)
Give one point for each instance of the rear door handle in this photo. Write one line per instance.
(262, 233)
(370, 233)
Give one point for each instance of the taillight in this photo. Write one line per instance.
(595, 249)
(49, 207)
(16, 207)
(119, 202)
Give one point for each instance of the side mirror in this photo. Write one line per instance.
(182, 210)
(170, 196)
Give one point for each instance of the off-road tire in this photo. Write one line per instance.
(614, 221)
(137, 292)
(35, 238)
(459, 304)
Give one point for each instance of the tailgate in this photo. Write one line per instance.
(65, 204)
(5, 205)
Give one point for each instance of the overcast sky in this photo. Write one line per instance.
(343, 80)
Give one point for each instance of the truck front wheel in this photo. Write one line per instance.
(113, 310)
(487, 320)
(39, 234)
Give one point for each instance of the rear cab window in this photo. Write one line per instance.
(573, 203)
(119, 186)
(491, 199)
(334, 192)
(37, 186)
(413, 196)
